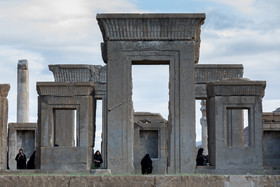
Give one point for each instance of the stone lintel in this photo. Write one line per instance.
(23, 126)
(148, 118)
(236, 87)
(78, 73)
(150, 26)
(4, 90)
(205, 73)
(271, 116)
(271, 126)
(65, 89)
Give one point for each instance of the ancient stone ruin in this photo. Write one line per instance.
(64, 135)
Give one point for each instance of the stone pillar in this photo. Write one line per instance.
(203, 122)
(4, 89)
(23, 92)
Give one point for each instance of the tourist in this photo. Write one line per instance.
(21, 160)
(147, 165)
(97, 159)
(201, 159)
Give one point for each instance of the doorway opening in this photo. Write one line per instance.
(98, 127)
(150, 88)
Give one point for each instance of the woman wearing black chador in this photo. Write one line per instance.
(21, 160)
(97, 159)
(147, 165)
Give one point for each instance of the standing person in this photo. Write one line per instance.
(200, 159)
(21, 160)
(147, 165)
(97, 159)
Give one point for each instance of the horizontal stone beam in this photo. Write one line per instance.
(65, 89)
(205, 73)
(236, 87)
(150, 26)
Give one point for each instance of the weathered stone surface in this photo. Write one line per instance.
(205, 73)
(236, 87)
(140, 181)
(271, 148)
(160, 44)
(23, 92)
(225, 152)
(4, 89)
(271, 139)
(179, 55)
(64, 88)
(78, 73)
(52, 97)
(21, 136)
(150, 137)
(150, 26)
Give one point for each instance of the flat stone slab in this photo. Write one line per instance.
(149, 26)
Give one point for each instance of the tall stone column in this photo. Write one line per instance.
(23, 92)
(203, 122)
(4, 89)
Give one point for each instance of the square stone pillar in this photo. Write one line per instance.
(4, 90)
(158, 39)
(56, 152)
(227, 148)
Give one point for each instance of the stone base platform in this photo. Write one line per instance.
(212, 171)
(140, 180)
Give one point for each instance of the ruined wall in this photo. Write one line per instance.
(139, 181)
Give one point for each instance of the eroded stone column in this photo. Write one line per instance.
(203, 122)
(23, 92)
(4, 89)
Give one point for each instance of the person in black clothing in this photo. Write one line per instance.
(21, 160)
(97, 159)
(147, 165)
(201, 159)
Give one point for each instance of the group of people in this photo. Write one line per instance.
(146, 162)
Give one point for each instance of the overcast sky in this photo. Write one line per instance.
(66, 32)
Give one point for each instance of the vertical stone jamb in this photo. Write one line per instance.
(4, 89)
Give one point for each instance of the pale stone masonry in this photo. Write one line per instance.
(55, 148)
(4, 90)
(23, 92)
(225, 133)
(166, 39)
